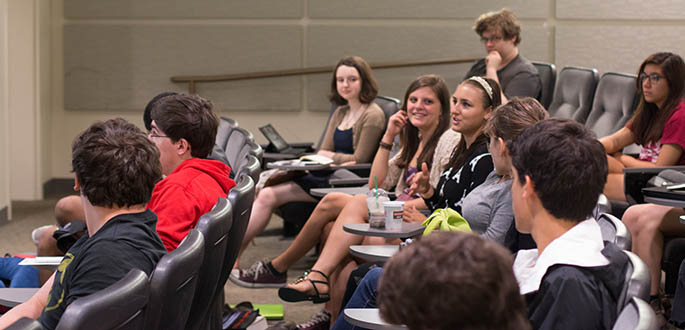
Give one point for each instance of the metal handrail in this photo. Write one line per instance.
(193, 80)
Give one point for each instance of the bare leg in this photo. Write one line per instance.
(47, 246)
(614, 187)
(615, 165)
(68, 209)
(267, 200)
(326, 211)
(647, 224)
(338, 285)
(338, 244)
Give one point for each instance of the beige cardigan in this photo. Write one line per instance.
(366, 133)
(441, 156)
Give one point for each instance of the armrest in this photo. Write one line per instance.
(270, 157)
(634, 179)
(348, 182)
(653, 170)
(308, 145)
(363, 170)
(355, 167)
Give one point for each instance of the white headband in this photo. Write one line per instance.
(483, 83)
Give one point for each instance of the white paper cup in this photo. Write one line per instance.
(376, 214)
(393, 215)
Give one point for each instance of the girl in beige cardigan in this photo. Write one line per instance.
(354, 86)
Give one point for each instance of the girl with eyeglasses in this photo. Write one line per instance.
(658, 124)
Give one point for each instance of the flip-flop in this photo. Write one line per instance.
(292, 295)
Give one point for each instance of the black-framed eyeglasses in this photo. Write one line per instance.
(653, 77)
(491, 39)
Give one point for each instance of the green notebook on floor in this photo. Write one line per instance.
(269, 311)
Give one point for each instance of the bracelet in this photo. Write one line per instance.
(386, 146)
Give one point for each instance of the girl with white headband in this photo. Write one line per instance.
(472, 104)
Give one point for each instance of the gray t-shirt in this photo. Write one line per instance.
(518, 78)
(488, 208)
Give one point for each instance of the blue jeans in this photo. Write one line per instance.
(364, 297)
(18, 276)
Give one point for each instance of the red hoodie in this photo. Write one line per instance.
(190, 191)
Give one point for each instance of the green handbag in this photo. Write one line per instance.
(446, 220)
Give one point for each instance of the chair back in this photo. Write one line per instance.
(214, 227)
(636, 315)
(574, 93)
(230, 121)
(25, 323)
(238, 139)
(603, 206)
(388, 104)
(614, 103)
(118, 306)
(223, 132)
(548, 77)
(636, 282)
(251, 167)
(173, 283)
(251, 148)
(241, 197)
(614, 231)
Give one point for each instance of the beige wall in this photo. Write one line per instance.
(107, 59)
(4, 113)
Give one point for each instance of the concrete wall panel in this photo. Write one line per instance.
(120, 67)
(618, 48)
(426, 9)
(169, 9)
(621, 9)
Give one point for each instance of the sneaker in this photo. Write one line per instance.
(658, 309)
(320, 321)
(258, 276)
(35, 234)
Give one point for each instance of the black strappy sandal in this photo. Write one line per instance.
(292, 295)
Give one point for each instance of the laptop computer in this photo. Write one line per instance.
(278, 144)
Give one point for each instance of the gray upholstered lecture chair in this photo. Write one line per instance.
(636, 315)
(241, 198)
(173, 283)
(214, 227)
(614, 231)
(636, 282)
(573, 94)
(613, 104)
(121, 305)
(548, 77)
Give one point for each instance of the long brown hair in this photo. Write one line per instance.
(648, 121)
(462, 153)
(409, 137)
